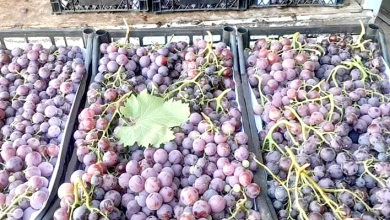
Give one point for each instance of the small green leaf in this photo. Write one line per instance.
(150, 119)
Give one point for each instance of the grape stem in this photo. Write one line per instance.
(211, 127)
(210, 50)
(362, 33)
(330, 97)
(269, 138)
(118, 77)
(349, 192)
(184, 83)
(299, 170)
(283, 184)
(14, 202)
(367, 170)
(357, 63)
(105, 131)
(303, 173)
(358, 43)
(219, 108)
(127, 38)
(334, 71)
(382, 97)
(240, 205)
(295, 43)
(305, 126)
(317, 46)
(117, 110)
(262, 97)
(79, 183)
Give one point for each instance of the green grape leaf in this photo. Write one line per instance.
(149, 119)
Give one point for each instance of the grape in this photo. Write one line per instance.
(152, 185)
(136, 183)
(165, 178)
(60, 214)
(133, 207)
(217, 203)
(138, 216)
(110, 158)
(245, 178)
(15, 164)
(38, 199)
(154, 201)
(148, 172)
(32, 171)
(165, 211)
(50, 111)
(175, 157)
(167, 194)
(189, 195)
(328, 154)
(160, 156)
(201, 209)
(65, 189)
(223, 149)
(241, 153)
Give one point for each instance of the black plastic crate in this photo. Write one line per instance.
(62, 37)
(336, 3)
(283, 3)
(79, 6)
(248, 36)
(146, 37)
(168, 6)
(268, 3)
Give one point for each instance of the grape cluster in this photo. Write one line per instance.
(326, 107)
(37, 89)
(205, 172)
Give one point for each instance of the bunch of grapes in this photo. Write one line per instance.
(205, 172)
(325, 103)
(37, 89)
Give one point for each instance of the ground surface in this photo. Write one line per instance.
(38, 14)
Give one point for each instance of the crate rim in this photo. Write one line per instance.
(45, 33)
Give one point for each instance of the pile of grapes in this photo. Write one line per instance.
(37, 89)
(204, 172)
(326, 107)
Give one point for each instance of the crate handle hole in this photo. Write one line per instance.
(101, 32)
(228, 29)
(242, 30)
(373, 26)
